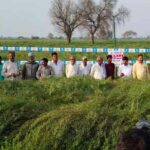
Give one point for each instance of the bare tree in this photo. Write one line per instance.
(104, 34)
(129, 34)
(121, 14)
(50, 36)
(66, 15)
(119, 17)
(97, 16)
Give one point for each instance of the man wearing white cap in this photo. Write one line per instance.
(30, 68)
(98, 70)
(85, 67)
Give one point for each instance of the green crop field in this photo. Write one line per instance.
(75, 43)
(65, 55)
(71, 114)
(139, 43)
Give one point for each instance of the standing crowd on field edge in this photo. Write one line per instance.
(137, 138)
(31, 70)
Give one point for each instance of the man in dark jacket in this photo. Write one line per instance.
(110, 68)
(30, 68)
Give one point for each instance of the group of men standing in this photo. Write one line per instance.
(32, 70)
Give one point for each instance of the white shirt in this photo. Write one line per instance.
(72, 70)
(57, 68)
(98, 71)
(126, 70)
(85, 70)
(9, 68)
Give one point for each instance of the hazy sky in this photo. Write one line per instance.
(30, 17)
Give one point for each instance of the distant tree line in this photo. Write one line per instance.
(129, 34)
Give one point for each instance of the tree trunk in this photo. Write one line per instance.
(92, 38)
(69, 36)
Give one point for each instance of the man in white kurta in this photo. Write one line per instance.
(125, 69)
(98, 70)
(85, 67)
(72, 69)
(10, 69)
(57, 65)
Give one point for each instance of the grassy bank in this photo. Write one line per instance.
(73, 114)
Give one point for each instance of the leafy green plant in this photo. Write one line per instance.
(77, 113)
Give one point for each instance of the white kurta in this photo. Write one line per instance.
(85, 70)
(98, 71)
(126, 70)
(57, 68)
(72, 70)
(11, 68)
